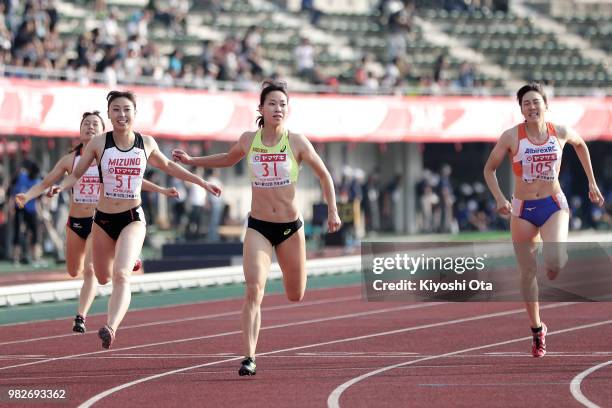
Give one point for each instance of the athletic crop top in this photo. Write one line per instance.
(272, 166)
(87, 189)
(537, 162)
(122, 171)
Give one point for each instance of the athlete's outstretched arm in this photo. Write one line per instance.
(228, 159)
(159, 160)
(87, 156)
(60, 168)
(154, 188)
(307, 154)
(582, 151)
(503, 145)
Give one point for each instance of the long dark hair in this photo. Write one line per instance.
(532, 86)
(86, 114)
(268, 86)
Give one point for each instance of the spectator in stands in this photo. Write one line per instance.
(315, 14)
(132, 65)
(447, 201)
(226, 59)
(179, 207)
(196, 199)
(371, 192)
(110, 28)
(215, 7)
(5, 33)
(371, 84)
(175, 63)
(206, 59)
(179, 9)
(215, 205)
(252, 38)
(253, 62)
(390, 203)
(440, 73)
(429, 200)
(25, 217)
(304, 55)
(149, 199)
(466, 76)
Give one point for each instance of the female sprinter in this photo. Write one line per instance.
(274, 155)
(85, 195)
(538, 206)
(119, 226)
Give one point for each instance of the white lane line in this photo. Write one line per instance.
(577, 380)
(210, 336)
(110, 391)
(333, 401)
(187, 319)
(357, 356)
(148, 308)
(494, 384)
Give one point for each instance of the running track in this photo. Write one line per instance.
(332, 349)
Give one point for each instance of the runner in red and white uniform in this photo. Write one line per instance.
(85, 195)
(119, 225)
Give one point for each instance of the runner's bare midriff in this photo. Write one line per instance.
(114, 205)
(535, 190)
(274, 204)
(81, 210)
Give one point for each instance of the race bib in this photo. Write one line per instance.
(270, 169)
(87, 189)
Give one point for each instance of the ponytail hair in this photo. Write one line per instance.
(270, 85)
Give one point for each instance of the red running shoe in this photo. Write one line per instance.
(538, 348)
(137, 265)
(107, 335)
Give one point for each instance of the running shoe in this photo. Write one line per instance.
(107, 335)
(248, 367)
(538, 348)
(552, 273)
(137, 265)
(79, 324)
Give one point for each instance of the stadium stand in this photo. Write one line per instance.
(234, 44)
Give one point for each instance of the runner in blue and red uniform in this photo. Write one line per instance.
(539, 209)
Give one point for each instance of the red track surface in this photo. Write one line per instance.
(306, 350)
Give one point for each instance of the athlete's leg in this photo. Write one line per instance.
(75, 253)
(525, 239)
(554, 234)
(257, 257)
(129, 245)
(291, 256)
(104, 255)
(90, 284)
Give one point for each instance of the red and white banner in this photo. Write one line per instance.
(50, 109)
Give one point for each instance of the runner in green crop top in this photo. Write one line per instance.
(272, 166)
(274, 155)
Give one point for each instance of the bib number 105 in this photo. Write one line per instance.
(541, 167)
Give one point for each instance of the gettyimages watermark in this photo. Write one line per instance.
(477, 271)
